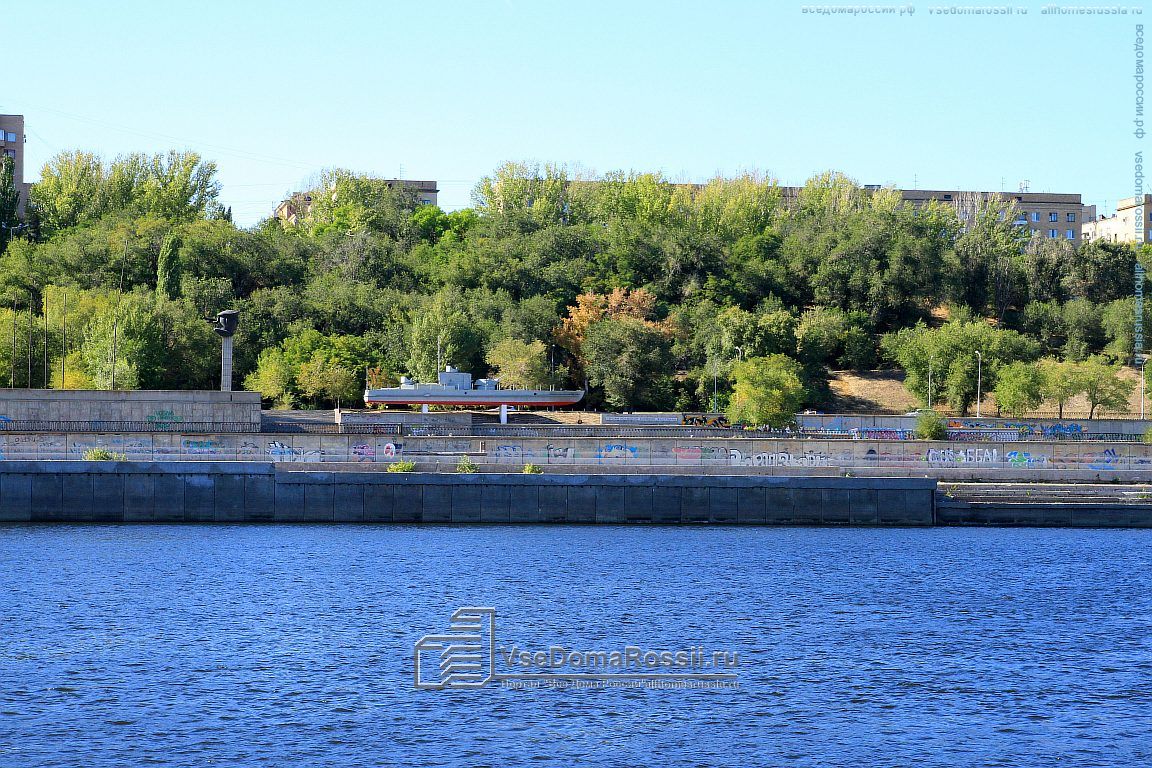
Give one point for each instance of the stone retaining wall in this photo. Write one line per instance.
(260, 492)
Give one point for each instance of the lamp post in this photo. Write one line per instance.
(979, 381)
(929, 385)
(1143, 362)
(225, 325)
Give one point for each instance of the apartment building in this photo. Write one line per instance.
(12, 145)
(297, 206)
(1054, 216)
(1130, 223)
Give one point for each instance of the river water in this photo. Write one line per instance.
(293, 645)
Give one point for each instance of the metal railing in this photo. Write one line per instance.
(194, 427)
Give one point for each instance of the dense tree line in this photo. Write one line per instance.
(655, 295)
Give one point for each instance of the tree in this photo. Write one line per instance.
(767, 390)
(1103, 387)
(168, 268)
(520, 364)
(9, 201)
(274, 378)
(949, 352)
(323, 378)
(442, 334)
(630, 361)
(1019, 389)
(1060, 382)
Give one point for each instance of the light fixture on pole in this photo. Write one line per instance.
(225, 325)
(1143, 362)
(979, 381)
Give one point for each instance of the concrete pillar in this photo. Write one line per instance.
(503, 413)
(226, 364)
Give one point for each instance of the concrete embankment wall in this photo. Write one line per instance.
(146, 406)
(1036, 460)
(260, 492)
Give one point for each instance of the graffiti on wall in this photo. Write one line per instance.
(737, 458)
(962, 456)
(617, 451)
(1025, 459)
(165, 416)
(279, 451)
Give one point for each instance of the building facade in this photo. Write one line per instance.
(12, 140)
(1132, 223)
(1053, 216)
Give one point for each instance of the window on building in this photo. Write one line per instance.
(1053, 233)
(1070, 234)
(1035, 215)
(10, 153)
(1053, 216)
(1071, 217)
(1035, 232)
(9, 136)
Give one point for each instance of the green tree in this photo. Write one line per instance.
(520, 364)
(168, 269)
(1103, 386)
(1060, 382)
(274, 378)
(950, 353)
(767, 390)
(324, 379)
(1019, 389)
(630, 361)
(9, 201)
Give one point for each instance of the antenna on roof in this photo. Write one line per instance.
(1024, 185)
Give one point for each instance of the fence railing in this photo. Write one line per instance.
(194, 427)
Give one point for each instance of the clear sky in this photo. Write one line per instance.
(276, 91)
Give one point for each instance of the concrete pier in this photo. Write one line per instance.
(263, 492)
(78, 491)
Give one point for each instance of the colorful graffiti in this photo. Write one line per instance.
(617, 451)
(704, 420)
(1020, 459)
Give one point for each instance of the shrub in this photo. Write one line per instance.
(466, 465)
(402, 466)
(532, 469)
(103, 454)
(1148, 435)
(929, 426)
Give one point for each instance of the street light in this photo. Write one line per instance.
(929, 385)
(1143, 362)
(979, 381)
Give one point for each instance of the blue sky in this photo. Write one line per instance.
(276, 91)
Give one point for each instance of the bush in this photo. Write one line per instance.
(1148, 435)
(402, 466)
(103, 454)
(466, 465)
(532, 469)
(929, 426)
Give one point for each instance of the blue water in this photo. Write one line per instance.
(292, 645)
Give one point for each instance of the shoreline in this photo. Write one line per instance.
(264, 492)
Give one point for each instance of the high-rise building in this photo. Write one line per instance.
(12, 145)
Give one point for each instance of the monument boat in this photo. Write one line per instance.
(457, 388)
